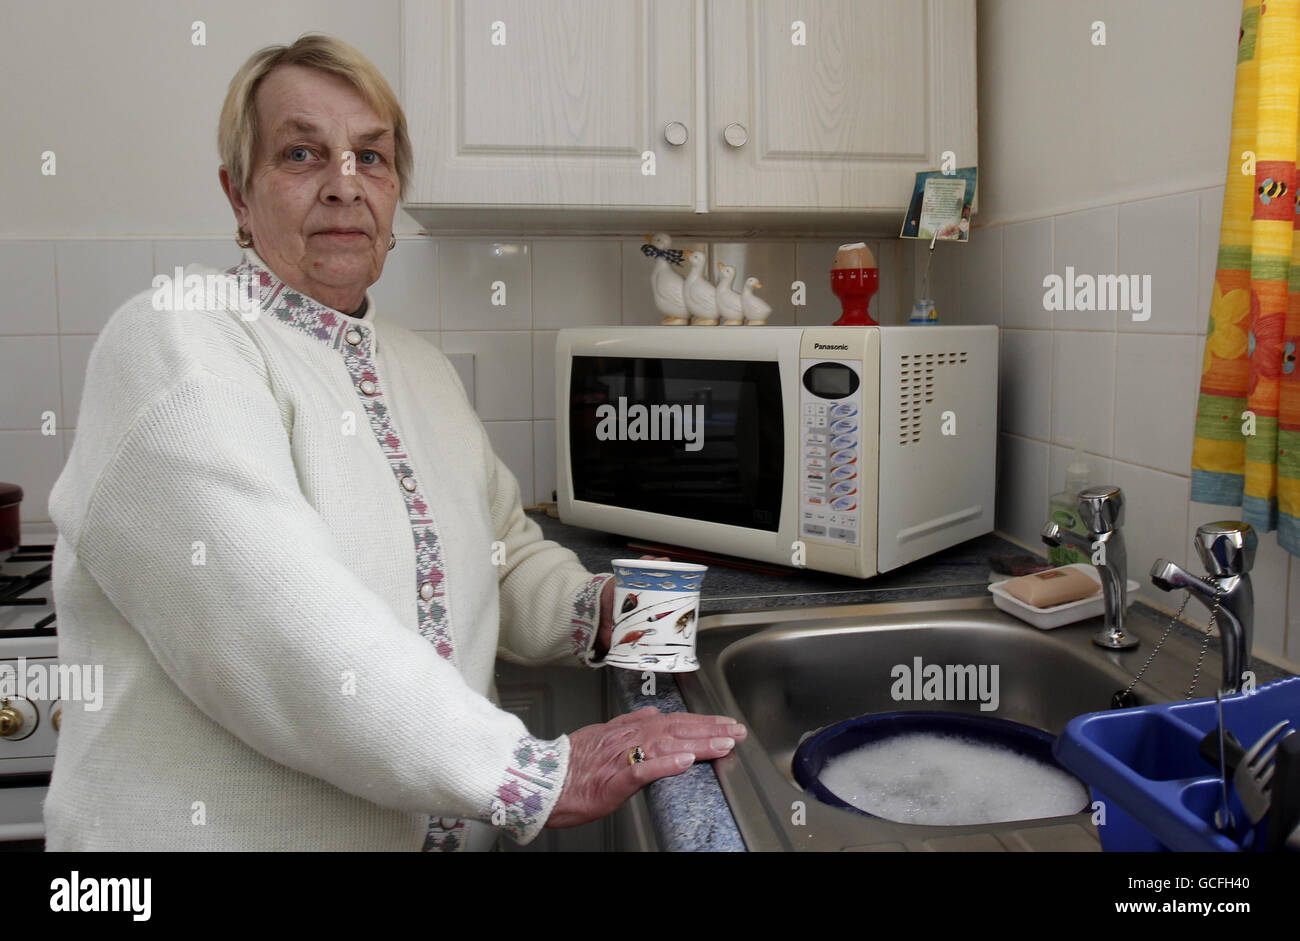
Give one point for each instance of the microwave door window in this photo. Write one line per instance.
(701, 439)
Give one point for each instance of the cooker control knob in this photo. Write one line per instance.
(56, 719)
(17, 718)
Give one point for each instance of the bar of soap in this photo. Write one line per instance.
(1052, 587)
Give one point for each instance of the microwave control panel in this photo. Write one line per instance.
(830, 448)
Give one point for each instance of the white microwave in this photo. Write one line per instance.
(843, 449)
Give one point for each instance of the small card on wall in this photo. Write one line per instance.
(940, 207)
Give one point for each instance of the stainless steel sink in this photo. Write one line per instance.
(789, 672)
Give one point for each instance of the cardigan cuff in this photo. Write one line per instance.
(530, 787)
(584, 620)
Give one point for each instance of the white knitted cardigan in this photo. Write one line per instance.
(276, 535)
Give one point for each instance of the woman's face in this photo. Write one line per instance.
(323, 188)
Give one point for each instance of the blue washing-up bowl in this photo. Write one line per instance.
(817, 749)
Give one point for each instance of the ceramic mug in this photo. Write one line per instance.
(656, 615)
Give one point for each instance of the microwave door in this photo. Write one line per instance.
(687, 438)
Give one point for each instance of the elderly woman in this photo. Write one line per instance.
(276, 534)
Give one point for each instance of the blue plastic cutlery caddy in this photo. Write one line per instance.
(1143, 764)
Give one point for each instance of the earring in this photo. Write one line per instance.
(243, 239)
(392, 241)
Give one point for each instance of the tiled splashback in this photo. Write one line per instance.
(1123, 389)
(62, 292)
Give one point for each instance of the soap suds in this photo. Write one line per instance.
(943, 780)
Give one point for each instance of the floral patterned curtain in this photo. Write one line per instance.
(1247, 448)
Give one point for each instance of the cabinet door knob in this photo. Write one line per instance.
(735, 135)
(675, 133)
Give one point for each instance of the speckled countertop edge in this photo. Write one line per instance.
(689, 812)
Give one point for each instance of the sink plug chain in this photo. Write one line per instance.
(1211, 628)
(1125, 698)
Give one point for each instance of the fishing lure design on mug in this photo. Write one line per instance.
(656, 611)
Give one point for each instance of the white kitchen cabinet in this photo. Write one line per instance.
(836, 104)
(798, 115)
(551, 103)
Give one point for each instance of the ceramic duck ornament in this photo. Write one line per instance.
(729, 302)
(756, 309)
(665, 283)
(701, 295)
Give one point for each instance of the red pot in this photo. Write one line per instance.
(10, 496)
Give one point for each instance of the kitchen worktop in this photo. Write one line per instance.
(688, 811)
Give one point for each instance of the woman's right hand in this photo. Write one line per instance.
(600, 777)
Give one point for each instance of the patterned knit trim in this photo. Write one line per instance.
(521, 803)
(585, 619)
(355, 341)
(530, 788)
(445, 835)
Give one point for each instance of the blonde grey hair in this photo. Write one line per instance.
(237, 132)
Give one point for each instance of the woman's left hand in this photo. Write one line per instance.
(606, 630)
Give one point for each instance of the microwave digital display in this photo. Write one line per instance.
(702, 439)
(830, 380)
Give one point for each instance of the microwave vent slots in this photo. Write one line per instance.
(916, 388)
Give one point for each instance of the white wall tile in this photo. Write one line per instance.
(1025, 383)
(909, 277)
(1293, 609)
(407, 291)
(981, 264)
(1155, 522)
(503, 372)
(947, 286)
(1099, 468)
(1026, 261)
(29, 382)
(68, 436)
(773, 263)
(885, 305)
(577, 283)
(432, 336)
(32, 461)
(464, 367)
(1086, 242)
(1022, 489)
(1083, 390)
(1158, 237)
(1155, 400)
(1268, 578)
(467, 270)
(169, 254)
(27, 273)
(513, 443)
(96, 277)
(812, 265)
(544, 465)
(1211, 215)
(74, 356)
(638, 298)
(544, 373)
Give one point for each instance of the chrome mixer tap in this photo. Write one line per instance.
(1227, 550)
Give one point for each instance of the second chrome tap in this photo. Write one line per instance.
(1102, 510)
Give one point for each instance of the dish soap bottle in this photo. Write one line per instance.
(1063, 510)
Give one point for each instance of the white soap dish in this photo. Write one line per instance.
(1061, 614)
